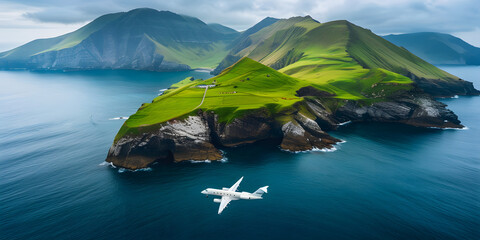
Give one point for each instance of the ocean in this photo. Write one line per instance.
(386, 181)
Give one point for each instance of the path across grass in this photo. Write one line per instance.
(204, 94)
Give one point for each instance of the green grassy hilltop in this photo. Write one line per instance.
(249, 85)
(339, 50)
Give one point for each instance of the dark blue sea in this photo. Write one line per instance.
(387, 181)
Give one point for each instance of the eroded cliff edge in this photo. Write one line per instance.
(201, 135)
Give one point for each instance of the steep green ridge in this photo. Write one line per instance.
(335, 51)
(373, 51)
(240, 42)
(139, 39)
(437, 48)
(249, 85)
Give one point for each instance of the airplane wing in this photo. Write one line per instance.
(235, 186)
(224, 203)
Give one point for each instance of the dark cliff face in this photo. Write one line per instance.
(442, 88)
(422, 111)
(201, 136)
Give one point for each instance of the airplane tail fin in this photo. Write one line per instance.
(261, 191)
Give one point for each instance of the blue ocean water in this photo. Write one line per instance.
(386, 181)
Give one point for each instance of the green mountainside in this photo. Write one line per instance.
(52, 44)
(139, 39)
(248, 86)
(309, 50)
(240, 41)
(437, 48)
(286, 81)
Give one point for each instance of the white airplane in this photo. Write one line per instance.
(229, 194)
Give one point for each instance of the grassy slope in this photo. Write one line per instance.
(316, 53)
(81, 34)
(249, 85)
(61, 42)
(309, 50)
(195, 55)
(180, 39)
(373, 51)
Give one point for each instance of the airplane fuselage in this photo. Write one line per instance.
(231, 194)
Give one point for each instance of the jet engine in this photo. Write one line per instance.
(217, 200)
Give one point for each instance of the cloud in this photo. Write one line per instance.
(381, 16)
(57, 15)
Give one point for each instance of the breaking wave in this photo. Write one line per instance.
(200, 161)
(122, 170)
(344, 123)
(107, 164)
(223, 160)
(464, 128)
(118, 118)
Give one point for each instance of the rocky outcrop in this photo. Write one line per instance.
(302, 134)
(199, 137)
(421, 110)
(444, 88)
(250, 128)
(177, 140)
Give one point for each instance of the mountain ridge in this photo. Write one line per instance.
(438, 48)
(142, 39)
(302, 47)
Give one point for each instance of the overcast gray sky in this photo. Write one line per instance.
(24, 20)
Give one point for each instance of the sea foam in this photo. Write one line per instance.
(344, 123)
(118, 118)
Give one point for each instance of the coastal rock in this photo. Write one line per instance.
(176, 140)
(325, 119)
(253, 127)
(421, 110)
(304, 134)
(199, 137)
(442, 88)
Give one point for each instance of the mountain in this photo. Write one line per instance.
(288, 81)
(144, 39)
(437, 48)
(304, 48)
(250, 102)
(243, 39)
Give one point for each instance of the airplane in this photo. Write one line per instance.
(229, 194)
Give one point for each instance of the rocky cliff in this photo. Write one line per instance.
(199, 137)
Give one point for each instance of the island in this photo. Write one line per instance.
(289, 81)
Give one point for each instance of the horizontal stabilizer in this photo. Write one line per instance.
(261, 191)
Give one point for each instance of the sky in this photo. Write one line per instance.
(24, 20)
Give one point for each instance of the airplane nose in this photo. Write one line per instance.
(204, 192)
